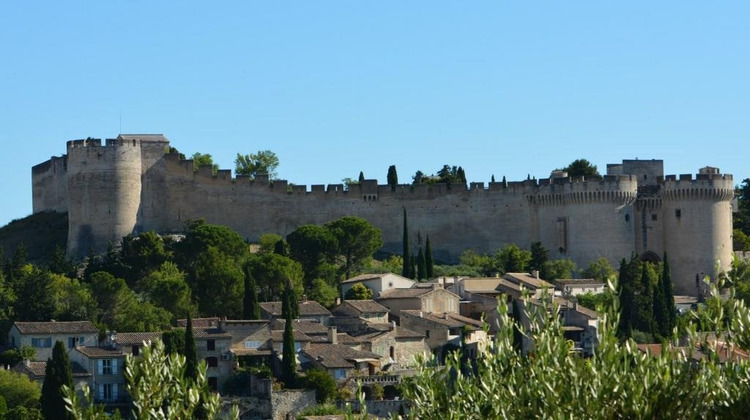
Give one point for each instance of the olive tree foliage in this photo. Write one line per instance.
(618, 381)
(157, 385)
(265, 162)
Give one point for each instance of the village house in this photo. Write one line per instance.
(309, 310)
(356, 316)
(37, 371)
(339, 360)
(397, 347)
(444, 328)
(530, 282)
(378, 283)
(107, 381)
(212, 345)
(428, 297)
(575, 287)
(43, 335)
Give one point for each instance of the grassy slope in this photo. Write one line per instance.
(39, 233)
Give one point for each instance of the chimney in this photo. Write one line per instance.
(26, 363)
(535, 274)
(393, 325)
(304, 299)
(333, 335)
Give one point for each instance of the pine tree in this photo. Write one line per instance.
(421, 266)
(539, 256)
(461, 175)
(56, 374)
(406, 269)
(191, 354)
(250, 306)
(429, 260)
(288, 361)
(361, 177)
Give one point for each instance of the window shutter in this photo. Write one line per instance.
(101, 391)
(114, 391)
(100, 364)
(114, 366)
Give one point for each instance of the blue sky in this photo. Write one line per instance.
(335, 88)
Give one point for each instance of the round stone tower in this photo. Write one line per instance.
(697, 219)
(104, 191)
(585, 220)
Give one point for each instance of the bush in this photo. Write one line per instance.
(323, 384)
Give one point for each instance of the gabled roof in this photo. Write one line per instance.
(360, 306)
(411, 293)
(307, 308)
(136, 338)
(38, 370)
(374, 276)
(579, 282)
(99, 352)
(489, 285)
(447, 319)
(200, 322)
(527, 280)
(299, 336)
(56, 327)
(211, 334)
(566, 304)
(333, 356)
(307, 327)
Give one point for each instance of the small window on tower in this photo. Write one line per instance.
(653, 217)
(627, 217)
(678, 213)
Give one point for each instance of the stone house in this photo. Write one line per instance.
(43, 335)
(37, 371)
(131, 343)
(378, 283)
(442, 328)
(356, 316)
(314, 330)
(530, 282)
(309, 310)
(397, 347)
(339, 360)
(575, 287)
(212, 345)
(107, 382)
(426, 298)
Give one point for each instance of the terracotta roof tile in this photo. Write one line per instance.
(55, 327)
(136, 338)
(307, 308)
(37, 370)
(333, 356)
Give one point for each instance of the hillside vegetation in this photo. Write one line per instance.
(39, 233)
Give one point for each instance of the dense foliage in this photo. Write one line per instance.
(56, 375)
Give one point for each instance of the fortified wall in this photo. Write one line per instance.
(131, 184)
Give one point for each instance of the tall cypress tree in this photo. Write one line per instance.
(56, 374)
(392, 177)
(406, 269)
(250, 306)
(645, 312)
(625, 293)
(288, 361)
(191, 354)
(429, 260)
(666, 285)
(421, 265)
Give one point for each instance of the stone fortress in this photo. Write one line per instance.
(132, 184)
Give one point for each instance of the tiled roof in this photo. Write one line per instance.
(364, 306)
(566, 304)
(412, 292)
(99, 352)
(579, 282)
(136, 338)
(488, 284)
(37, 370)
(333, 356)
(373, 276)
(211, 333)
(450, 320)
(307, 327)
(55, 327)
(299, 336)
(527, 280)
(307, 308)
(200, 322)
(408, 334)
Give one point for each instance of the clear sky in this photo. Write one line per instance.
(335, 88)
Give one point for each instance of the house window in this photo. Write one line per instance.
(75, 341)
(212, 361)
(108, 392)
(339, 374)
(427, 334)
(41, 343)
(136, 350)
(211, 345)
(108, 367)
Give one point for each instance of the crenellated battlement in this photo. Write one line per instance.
(705, 186)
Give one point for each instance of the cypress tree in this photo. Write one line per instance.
(645, 321)
(421, 266)
(250, 306)
(493, 178)
(666, 285)
(392, 177)
(539, 256)
(191, 355)
(174, 341)
(625, 293)
(429, 260)
(505, 183)
(361, 177)
(517, 325)
(406, 269)
(57, 373)
(289, 302)
(288, 361)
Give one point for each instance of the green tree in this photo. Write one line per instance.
(289, 360)
(323, 293)
(167, 288)
(289, 303)
(512, 259)
(192, 369)
(56, 375)
(272, 272)
(392, 177)
(740, 241)
(357, 240)
(312, 246)
(670, 312)
(421, 265)
(361, 177)
(581, 167)
(482, 263)
(558, 269)
(643, 316)
(34, 302)
(201, 235)
(72, 299)
(60, 264)
(174, 341)
(358, 292)
(539, 256)
(268, 241)
(18, 390)
(429, 260)
(324, 385)
(219, 284)
(600, 270)
(742, 217)
(142, 255)
(200, 159)
(406, 253)
(250, 305)
(265, 162)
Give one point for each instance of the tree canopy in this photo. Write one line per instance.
(357, 240)
(264, 162)
(581, 167)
